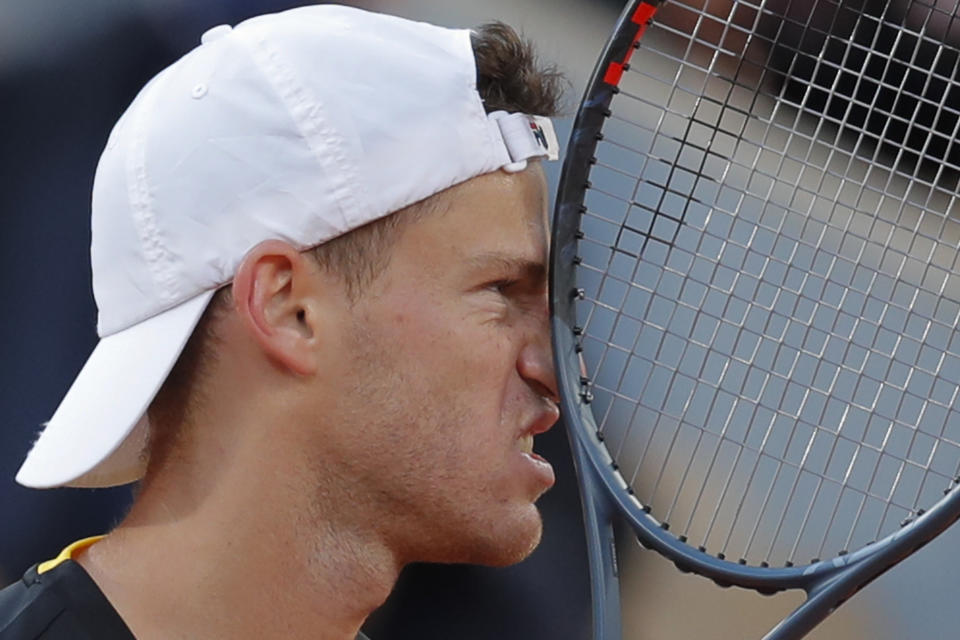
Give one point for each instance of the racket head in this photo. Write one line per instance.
(571, 333)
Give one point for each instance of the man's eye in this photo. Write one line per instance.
(501, 286)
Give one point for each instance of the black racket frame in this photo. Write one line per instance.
(603, 490)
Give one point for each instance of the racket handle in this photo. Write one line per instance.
(601, 546)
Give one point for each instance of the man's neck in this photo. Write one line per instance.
(243, 562)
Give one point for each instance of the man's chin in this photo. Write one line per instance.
(508, 544)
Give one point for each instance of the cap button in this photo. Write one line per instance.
(215, 33)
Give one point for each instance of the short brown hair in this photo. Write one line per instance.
(510, 78)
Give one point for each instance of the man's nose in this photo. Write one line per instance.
(535, 363)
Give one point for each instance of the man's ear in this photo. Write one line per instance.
(275, 296)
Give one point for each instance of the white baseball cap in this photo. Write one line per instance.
(299, 126)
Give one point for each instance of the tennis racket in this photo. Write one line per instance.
(755, 292)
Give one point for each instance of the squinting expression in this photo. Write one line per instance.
(448, 375)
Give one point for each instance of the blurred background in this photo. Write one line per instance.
(67, 71)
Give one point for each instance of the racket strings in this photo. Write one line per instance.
(886, 82)
(769, 321)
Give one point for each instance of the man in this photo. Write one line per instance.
(319, 256)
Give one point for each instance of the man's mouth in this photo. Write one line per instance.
(526, 444)
(526, 448)
(541, 467)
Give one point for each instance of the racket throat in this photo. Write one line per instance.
(598, 518)
(823, 598)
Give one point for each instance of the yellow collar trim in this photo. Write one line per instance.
(68, 553)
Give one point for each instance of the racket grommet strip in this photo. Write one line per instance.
(585, 394)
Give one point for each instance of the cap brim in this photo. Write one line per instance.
(97, 435)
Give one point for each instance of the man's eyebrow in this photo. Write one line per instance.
(534, 270)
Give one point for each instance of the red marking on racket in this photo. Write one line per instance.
(642, 17)
(643, 13)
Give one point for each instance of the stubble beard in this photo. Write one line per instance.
(418, 496)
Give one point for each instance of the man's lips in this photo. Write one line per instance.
(538, 458)
(545, 417)
(540, 467)
(543, 421)
(537, 463)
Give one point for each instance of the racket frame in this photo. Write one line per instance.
(603, 490)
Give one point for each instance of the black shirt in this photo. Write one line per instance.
(58, 600)
(62, 603)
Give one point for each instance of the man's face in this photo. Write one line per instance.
(445, 374)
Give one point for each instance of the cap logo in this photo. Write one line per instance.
(540, 136)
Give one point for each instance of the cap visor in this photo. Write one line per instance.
(107, 401)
